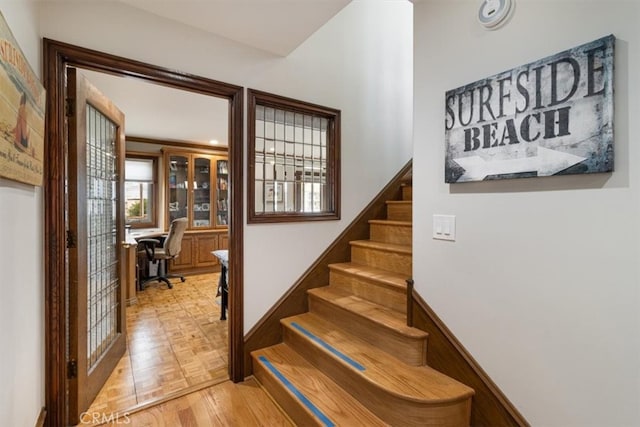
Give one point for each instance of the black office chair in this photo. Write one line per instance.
(163, 251)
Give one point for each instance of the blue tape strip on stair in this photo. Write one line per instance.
(333, 350)
(317, 412)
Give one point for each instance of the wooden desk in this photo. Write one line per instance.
(130, 263)
(130, 260)
(223, 287)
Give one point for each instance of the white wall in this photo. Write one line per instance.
(360, 62)
(542, 284)
(21, 266)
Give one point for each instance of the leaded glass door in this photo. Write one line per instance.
(95, 224)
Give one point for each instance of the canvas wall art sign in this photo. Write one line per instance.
(22, 109)
(550, 117)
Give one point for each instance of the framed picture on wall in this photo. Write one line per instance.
(22, 111)
(273, 193)
(553, 116)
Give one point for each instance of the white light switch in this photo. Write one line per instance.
(444, 227)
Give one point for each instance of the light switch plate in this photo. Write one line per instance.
(444, 227)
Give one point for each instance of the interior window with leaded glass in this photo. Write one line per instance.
(294, 166)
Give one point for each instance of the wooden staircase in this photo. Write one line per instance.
(351, 360)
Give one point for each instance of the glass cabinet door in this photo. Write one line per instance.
(222, 192)
(202, 190)
(178, 187)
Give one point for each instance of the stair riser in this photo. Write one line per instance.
(407, 193)
(412, 351)
(399, 212)
(280, 394)
(384, 260)
(397, 234)
(395, 299)
(389, 407)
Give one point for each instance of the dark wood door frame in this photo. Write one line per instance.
(57, 56)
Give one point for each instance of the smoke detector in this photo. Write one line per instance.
(492, 14)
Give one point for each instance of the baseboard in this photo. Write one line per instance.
(41, 417)
(268, 331)
(490, 407)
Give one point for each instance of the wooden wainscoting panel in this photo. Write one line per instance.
(490, 406)
(268, 330)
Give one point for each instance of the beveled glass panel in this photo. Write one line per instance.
(289, 194)
(269, 146)
(268, 168)
(259, 169)
(289, 149)
(289, 171)
(279, 131)
(289, 133)
(259, 196)
(102, 261)
(269, 130)
(307, 135)
(279, 171)
(298, 134)
(260, 128)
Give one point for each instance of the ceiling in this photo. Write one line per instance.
(188, 117)
(275, 26)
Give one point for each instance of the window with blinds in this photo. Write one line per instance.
(140, 186)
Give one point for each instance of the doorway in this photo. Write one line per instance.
(57, 57)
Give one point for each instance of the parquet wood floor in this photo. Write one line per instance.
(175, 340)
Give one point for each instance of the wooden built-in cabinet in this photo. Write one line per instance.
(195, 256)
(196, 188)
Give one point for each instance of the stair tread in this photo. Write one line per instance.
(390, 247)
(329, 398)
(388, 278)
(377, 313)
(391, 222)
(399, 202)
(421, 384)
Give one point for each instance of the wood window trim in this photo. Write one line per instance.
(256, 97)
(155, 193)
(56, 57)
